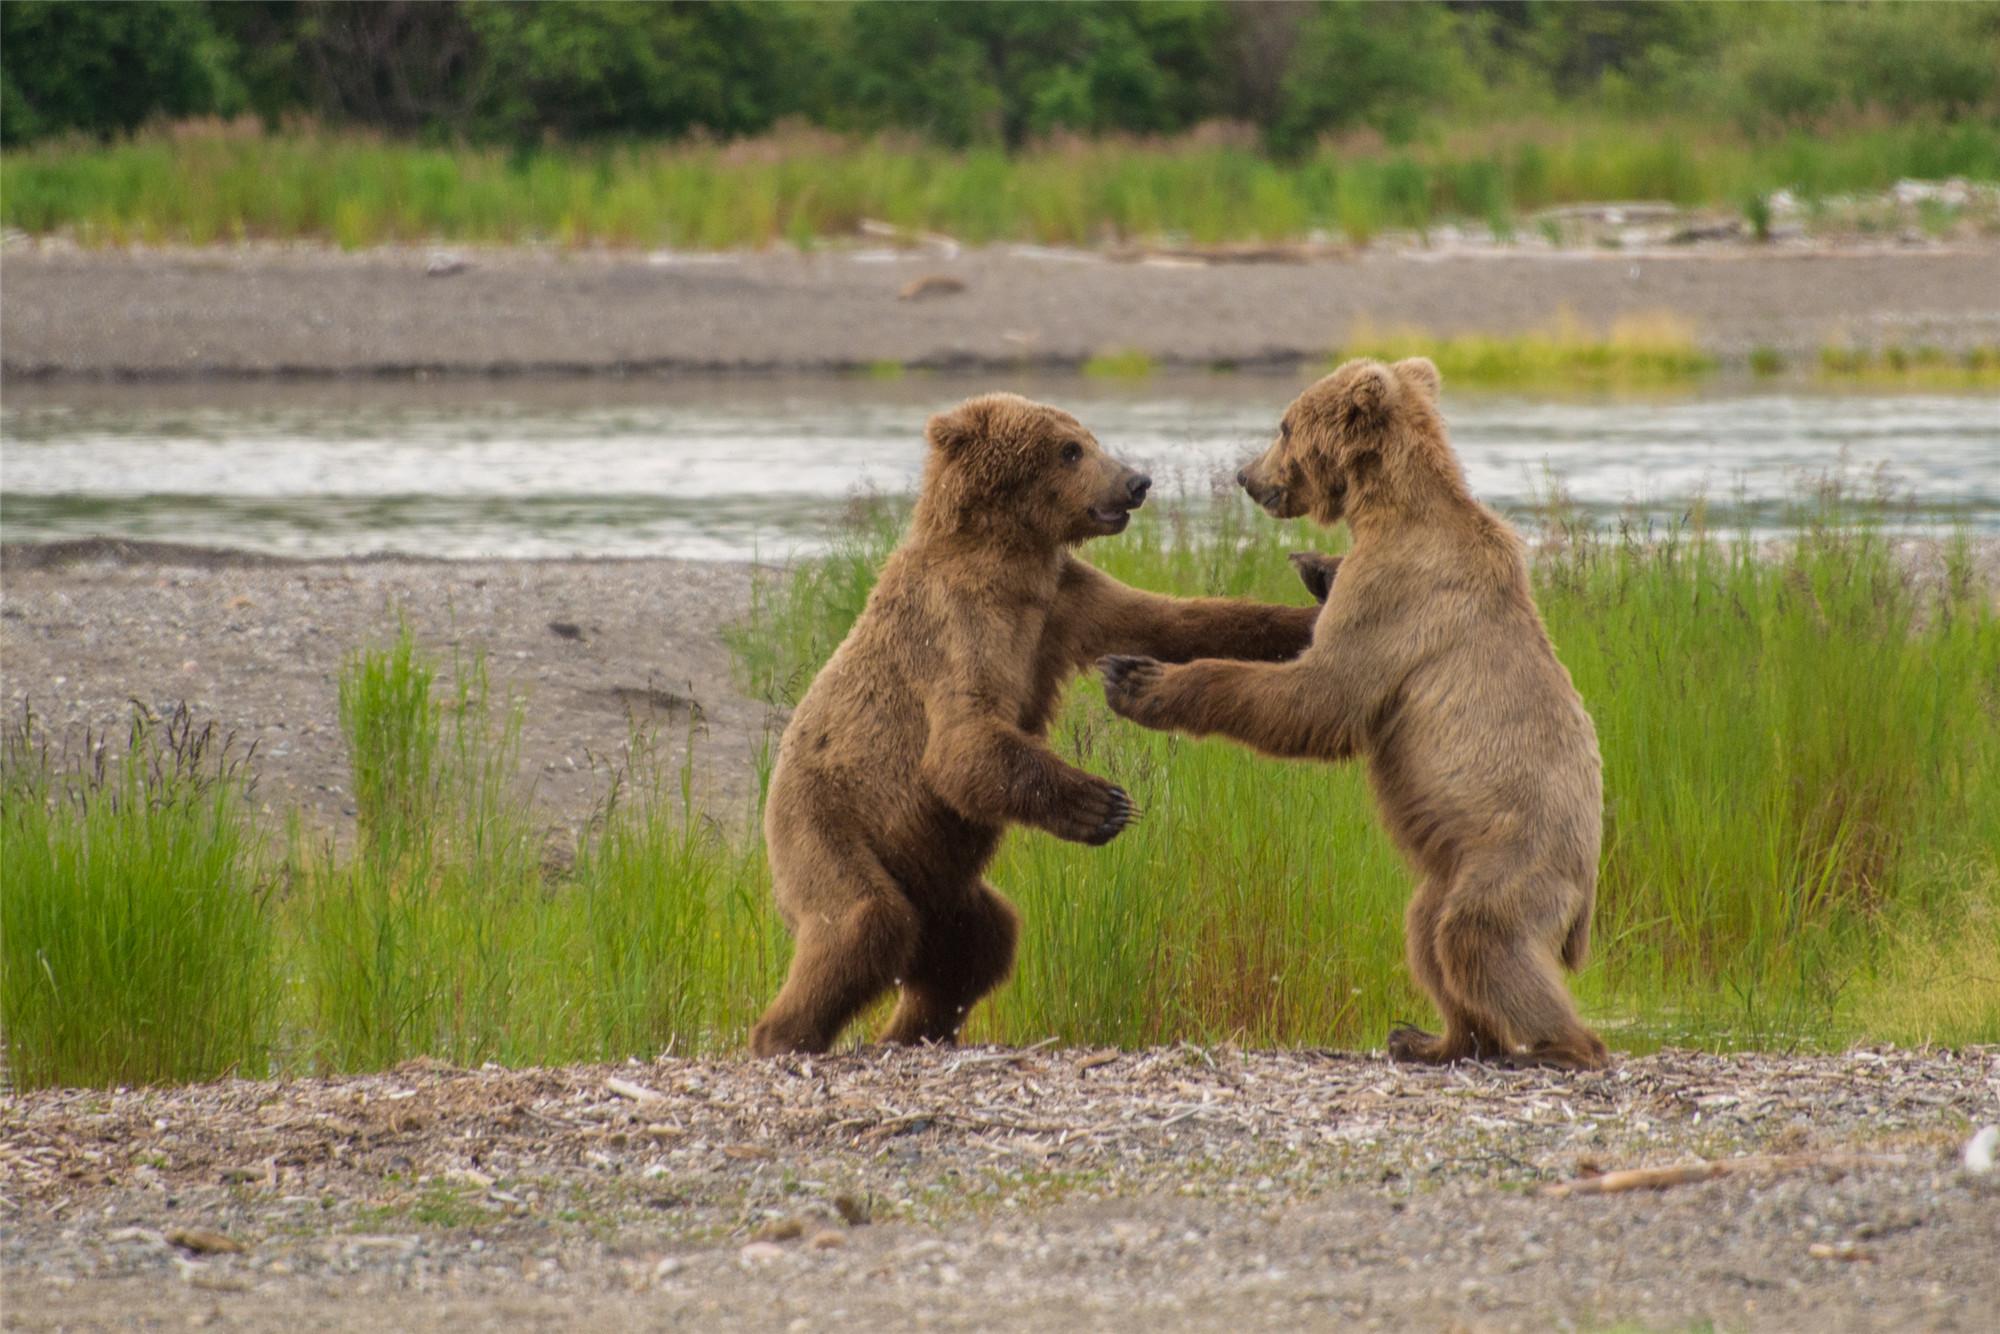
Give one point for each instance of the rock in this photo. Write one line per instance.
(783, 1229)
(828, 1240)
(636, 1092)
(1979, 1151)
(930, 285)
(759, 1253)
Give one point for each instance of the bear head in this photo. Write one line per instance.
(1016, 470)
(1364, 434)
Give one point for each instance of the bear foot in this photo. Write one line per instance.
(772, 1039)
(1584, 1051)
(1412, 1045)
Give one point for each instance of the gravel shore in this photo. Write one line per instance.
(273, 310)
(977, 1188)
(594, 649)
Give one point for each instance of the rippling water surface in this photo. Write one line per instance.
(734, 468)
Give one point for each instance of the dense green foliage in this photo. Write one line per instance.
(1802, 774)
(966, 74)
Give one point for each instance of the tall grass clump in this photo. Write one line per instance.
(133, 928)
(671, 916)
(1918, 367)
(1640, 351)
(454, 928)
(1802, 752)
(417, 942)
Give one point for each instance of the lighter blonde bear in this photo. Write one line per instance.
(1431, 660)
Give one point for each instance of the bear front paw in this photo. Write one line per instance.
(1131, 685)
(1093, 815)
(1112, 815)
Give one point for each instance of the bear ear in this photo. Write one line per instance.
(1422, 372)
(959, 429)
(1365, 401)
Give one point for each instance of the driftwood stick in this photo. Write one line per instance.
(1660, 1178)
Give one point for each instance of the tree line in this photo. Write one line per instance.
(998, 73)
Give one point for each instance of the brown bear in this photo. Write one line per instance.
(1429, 658)
(923, 737)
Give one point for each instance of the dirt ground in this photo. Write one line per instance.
(592, 648)
(269, 309)
(1030, 1190)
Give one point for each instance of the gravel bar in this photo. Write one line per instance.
(268, 310)
(1030, 1189)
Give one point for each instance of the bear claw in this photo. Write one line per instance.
(1114, 822)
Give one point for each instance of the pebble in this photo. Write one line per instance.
(1979, 1150)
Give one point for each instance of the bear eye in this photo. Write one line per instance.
(1071, 452)
(1284, 430)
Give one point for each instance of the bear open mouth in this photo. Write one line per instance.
(1112, 519)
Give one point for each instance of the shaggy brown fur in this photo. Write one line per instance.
(923, 737)
(1430, 659)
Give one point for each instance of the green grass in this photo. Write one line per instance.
(134, 930)
(1639, 352)
(1925, 367)
(353, 190)
(1125, 363)
(449, 932)
(1802, 842)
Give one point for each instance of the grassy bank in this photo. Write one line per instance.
(223, 184)
(1802, 759)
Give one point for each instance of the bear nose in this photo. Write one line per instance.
(1138, 486)
(1243, 477)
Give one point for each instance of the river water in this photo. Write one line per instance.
(734, 468)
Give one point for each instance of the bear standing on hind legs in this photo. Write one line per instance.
(1431, 660)
(922, 738)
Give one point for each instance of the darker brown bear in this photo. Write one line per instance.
(922, 739)
(1430, 659)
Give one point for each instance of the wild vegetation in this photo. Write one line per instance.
(1003, 73)
(730, 125)
(216, 183)
(1802, 752)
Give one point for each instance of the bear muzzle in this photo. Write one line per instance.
(1113, 517)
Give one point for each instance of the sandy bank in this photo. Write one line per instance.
(271, 311)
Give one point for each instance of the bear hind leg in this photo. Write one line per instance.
(1463, 1036)
(962, 953)
(1507, 977)
(855, 933)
